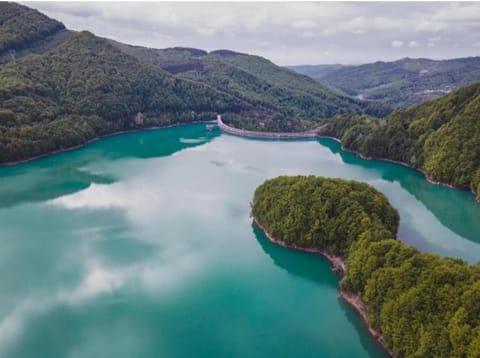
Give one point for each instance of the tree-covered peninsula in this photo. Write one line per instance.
(422, 305)
(338, 212)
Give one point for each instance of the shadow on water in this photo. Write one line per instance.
(367, 341)
(66, 173)
(301, 264)
(454, 208)
(316, 269)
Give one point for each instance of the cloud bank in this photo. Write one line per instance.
(287, 33)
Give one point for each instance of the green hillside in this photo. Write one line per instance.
(85, 88)
(401, 83)
(283, 100)
(441, 137)
(59, 89)
(23, 30)
(421, 304)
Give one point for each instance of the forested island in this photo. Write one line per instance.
(419, 304)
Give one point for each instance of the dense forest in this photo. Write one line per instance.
(21, 26)
(283, 100)
(59, 88)
(338, 211)
(399, 83)
(441, 137)
(85, 88)
(423, 305)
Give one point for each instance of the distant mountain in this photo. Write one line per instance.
(317, 72)
(404, 82)
(441, 137)
(297, 100)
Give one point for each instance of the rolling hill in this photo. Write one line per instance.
(85, 88)
(60, 88)
(297, 100)
(400, 83)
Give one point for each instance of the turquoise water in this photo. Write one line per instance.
(141, 245)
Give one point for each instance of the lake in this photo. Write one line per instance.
(141, 245)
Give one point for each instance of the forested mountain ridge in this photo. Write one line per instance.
(404, 82)
(420, 304)
(440, 137)
(24, 30)
(59, 88)
(298, 101)
(85, 88)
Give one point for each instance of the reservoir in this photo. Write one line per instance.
(141, 245)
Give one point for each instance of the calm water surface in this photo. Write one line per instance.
(141, 245)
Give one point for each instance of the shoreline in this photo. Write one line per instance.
(339, 267)
(403, 164)
(314, 134)
(337, 262)
(93, 140)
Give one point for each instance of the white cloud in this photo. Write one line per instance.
(304, 28)
(397, 43)
(307, 34)
(459, 13)
(413, 43)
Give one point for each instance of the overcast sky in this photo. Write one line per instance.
(289, 32)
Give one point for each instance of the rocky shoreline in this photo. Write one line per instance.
(340, 268)
(337, 262)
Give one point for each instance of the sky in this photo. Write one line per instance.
(288, 33)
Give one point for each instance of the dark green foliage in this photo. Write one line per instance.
(400, 83)
(60, 89)
(441, 137)
(423, 305)
(86, 88)
(282, 99)
(338, 212)
(20, 26)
